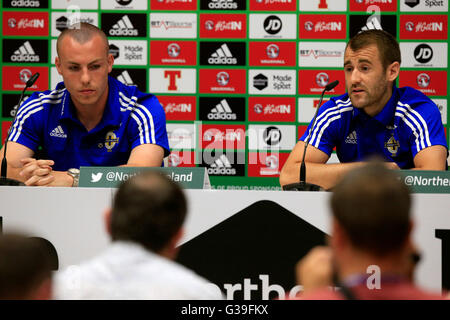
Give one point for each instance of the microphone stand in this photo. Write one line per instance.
(4, 181)
(302, 185)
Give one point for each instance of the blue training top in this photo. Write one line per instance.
(409, 123)
(131, 118)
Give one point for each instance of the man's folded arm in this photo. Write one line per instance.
(15, 153)
(32, 172)
(317, 171)
(431, 158)
(146, 155)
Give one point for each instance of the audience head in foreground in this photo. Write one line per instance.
(145, 226)
(371, 255)
(25, 268)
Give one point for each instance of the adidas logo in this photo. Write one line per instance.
(123, 27)
(372, 23)
(352, 138)
(222, 55)
(222, 166)
(222, 4)
(25, 54)
(125, 78)
(222, 111)
(58, 132)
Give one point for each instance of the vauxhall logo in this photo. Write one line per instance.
(272, 24)
(272, 51)
(173, 50)
(423, 53)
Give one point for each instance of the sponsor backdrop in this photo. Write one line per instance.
(239, 79)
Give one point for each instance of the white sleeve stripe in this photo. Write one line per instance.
(141, 136)
(25, 111)
(146, 111)
(346, 102)
(326, 113)
(330, 120)
(330, 113)
(413, 129)
(19, 131)
(421, 119)
(55, 94)
(36, 102)
(323, 129)
(149, 130)
(422, 136)
(140, 119)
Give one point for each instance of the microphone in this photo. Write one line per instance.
(4, 181)
(302, 185)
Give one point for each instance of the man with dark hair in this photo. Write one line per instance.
(371, 249)
(25, 268)
(90, 119)
(145, 225)
(374, 118)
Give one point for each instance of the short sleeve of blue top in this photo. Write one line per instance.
(131, 118)
(409, 123)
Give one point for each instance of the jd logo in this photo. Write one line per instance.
(123, 2)
(272, 24)
(423, 53)
(272, 136)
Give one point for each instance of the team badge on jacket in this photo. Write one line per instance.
(111, 140)
(392, 146)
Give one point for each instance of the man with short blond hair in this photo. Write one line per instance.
(90, 119)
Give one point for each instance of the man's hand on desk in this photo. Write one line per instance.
(392, 165)
(40, 173)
